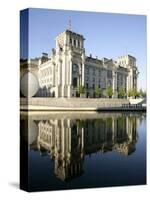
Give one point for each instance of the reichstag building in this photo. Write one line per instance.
(68, 68)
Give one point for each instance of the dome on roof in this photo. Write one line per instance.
(29, 85)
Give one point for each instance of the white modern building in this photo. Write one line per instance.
(68, 67)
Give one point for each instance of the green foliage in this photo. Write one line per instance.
(109, 91)
(130, 93)
(81, 89)
(121, 92)
(142, 93)
(109, 123)
(80, 123)
(97, 91)
(137, 94)
(134, 93)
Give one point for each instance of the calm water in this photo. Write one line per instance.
(83, 150)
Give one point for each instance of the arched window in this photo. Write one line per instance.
(75, 68)
(109, 83)
(70, 41)
(75, 71)
(78, 43)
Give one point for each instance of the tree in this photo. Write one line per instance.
(121, 92)
(133, 93)
(142, 93)
(137, 94)
(97, 91)
(81, 89)
(109, 91)
(130, 93)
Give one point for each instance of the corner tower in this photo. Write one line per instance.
(70, 58)
(129, 62)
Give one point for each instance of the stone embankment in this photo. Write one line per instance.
(74, 104)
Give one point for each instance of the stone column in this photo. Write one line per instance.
(59, 72)
(53, 72)
(78, 81)
(69, 135)
(114, 83)
(83, 69)
(57, 91)
(131, 79)
(59, 78)
(63, 132)
(69, 78)
(76, 42)
(82, 142)
(80, 73)
(113, 130)
(63, 76)
(70, 74)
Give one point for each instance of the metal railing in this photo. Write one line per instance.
(131, 105)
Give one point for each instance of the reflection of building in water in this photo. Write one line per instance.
(68, 140)
(126, 135)
(64, 142)
(111, 133)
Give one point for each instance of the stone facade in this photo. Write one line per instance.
(68, 67)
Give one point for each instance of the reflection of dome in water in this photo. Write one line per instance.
(29, 130)
(32, 131)
(29, 85)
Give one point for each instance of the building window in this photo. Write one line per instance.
(93, 86)
(93, 79)
(78, 43)
(74, 42)
(87, 70)
(87, 85)
(93, 71)
(109, 74)
(70, 41)
(75, 68)
(109, 83)
(87, 78)
(74, 82)
(99, 72)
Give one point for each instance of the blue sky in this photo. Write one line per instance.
(107, 35)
